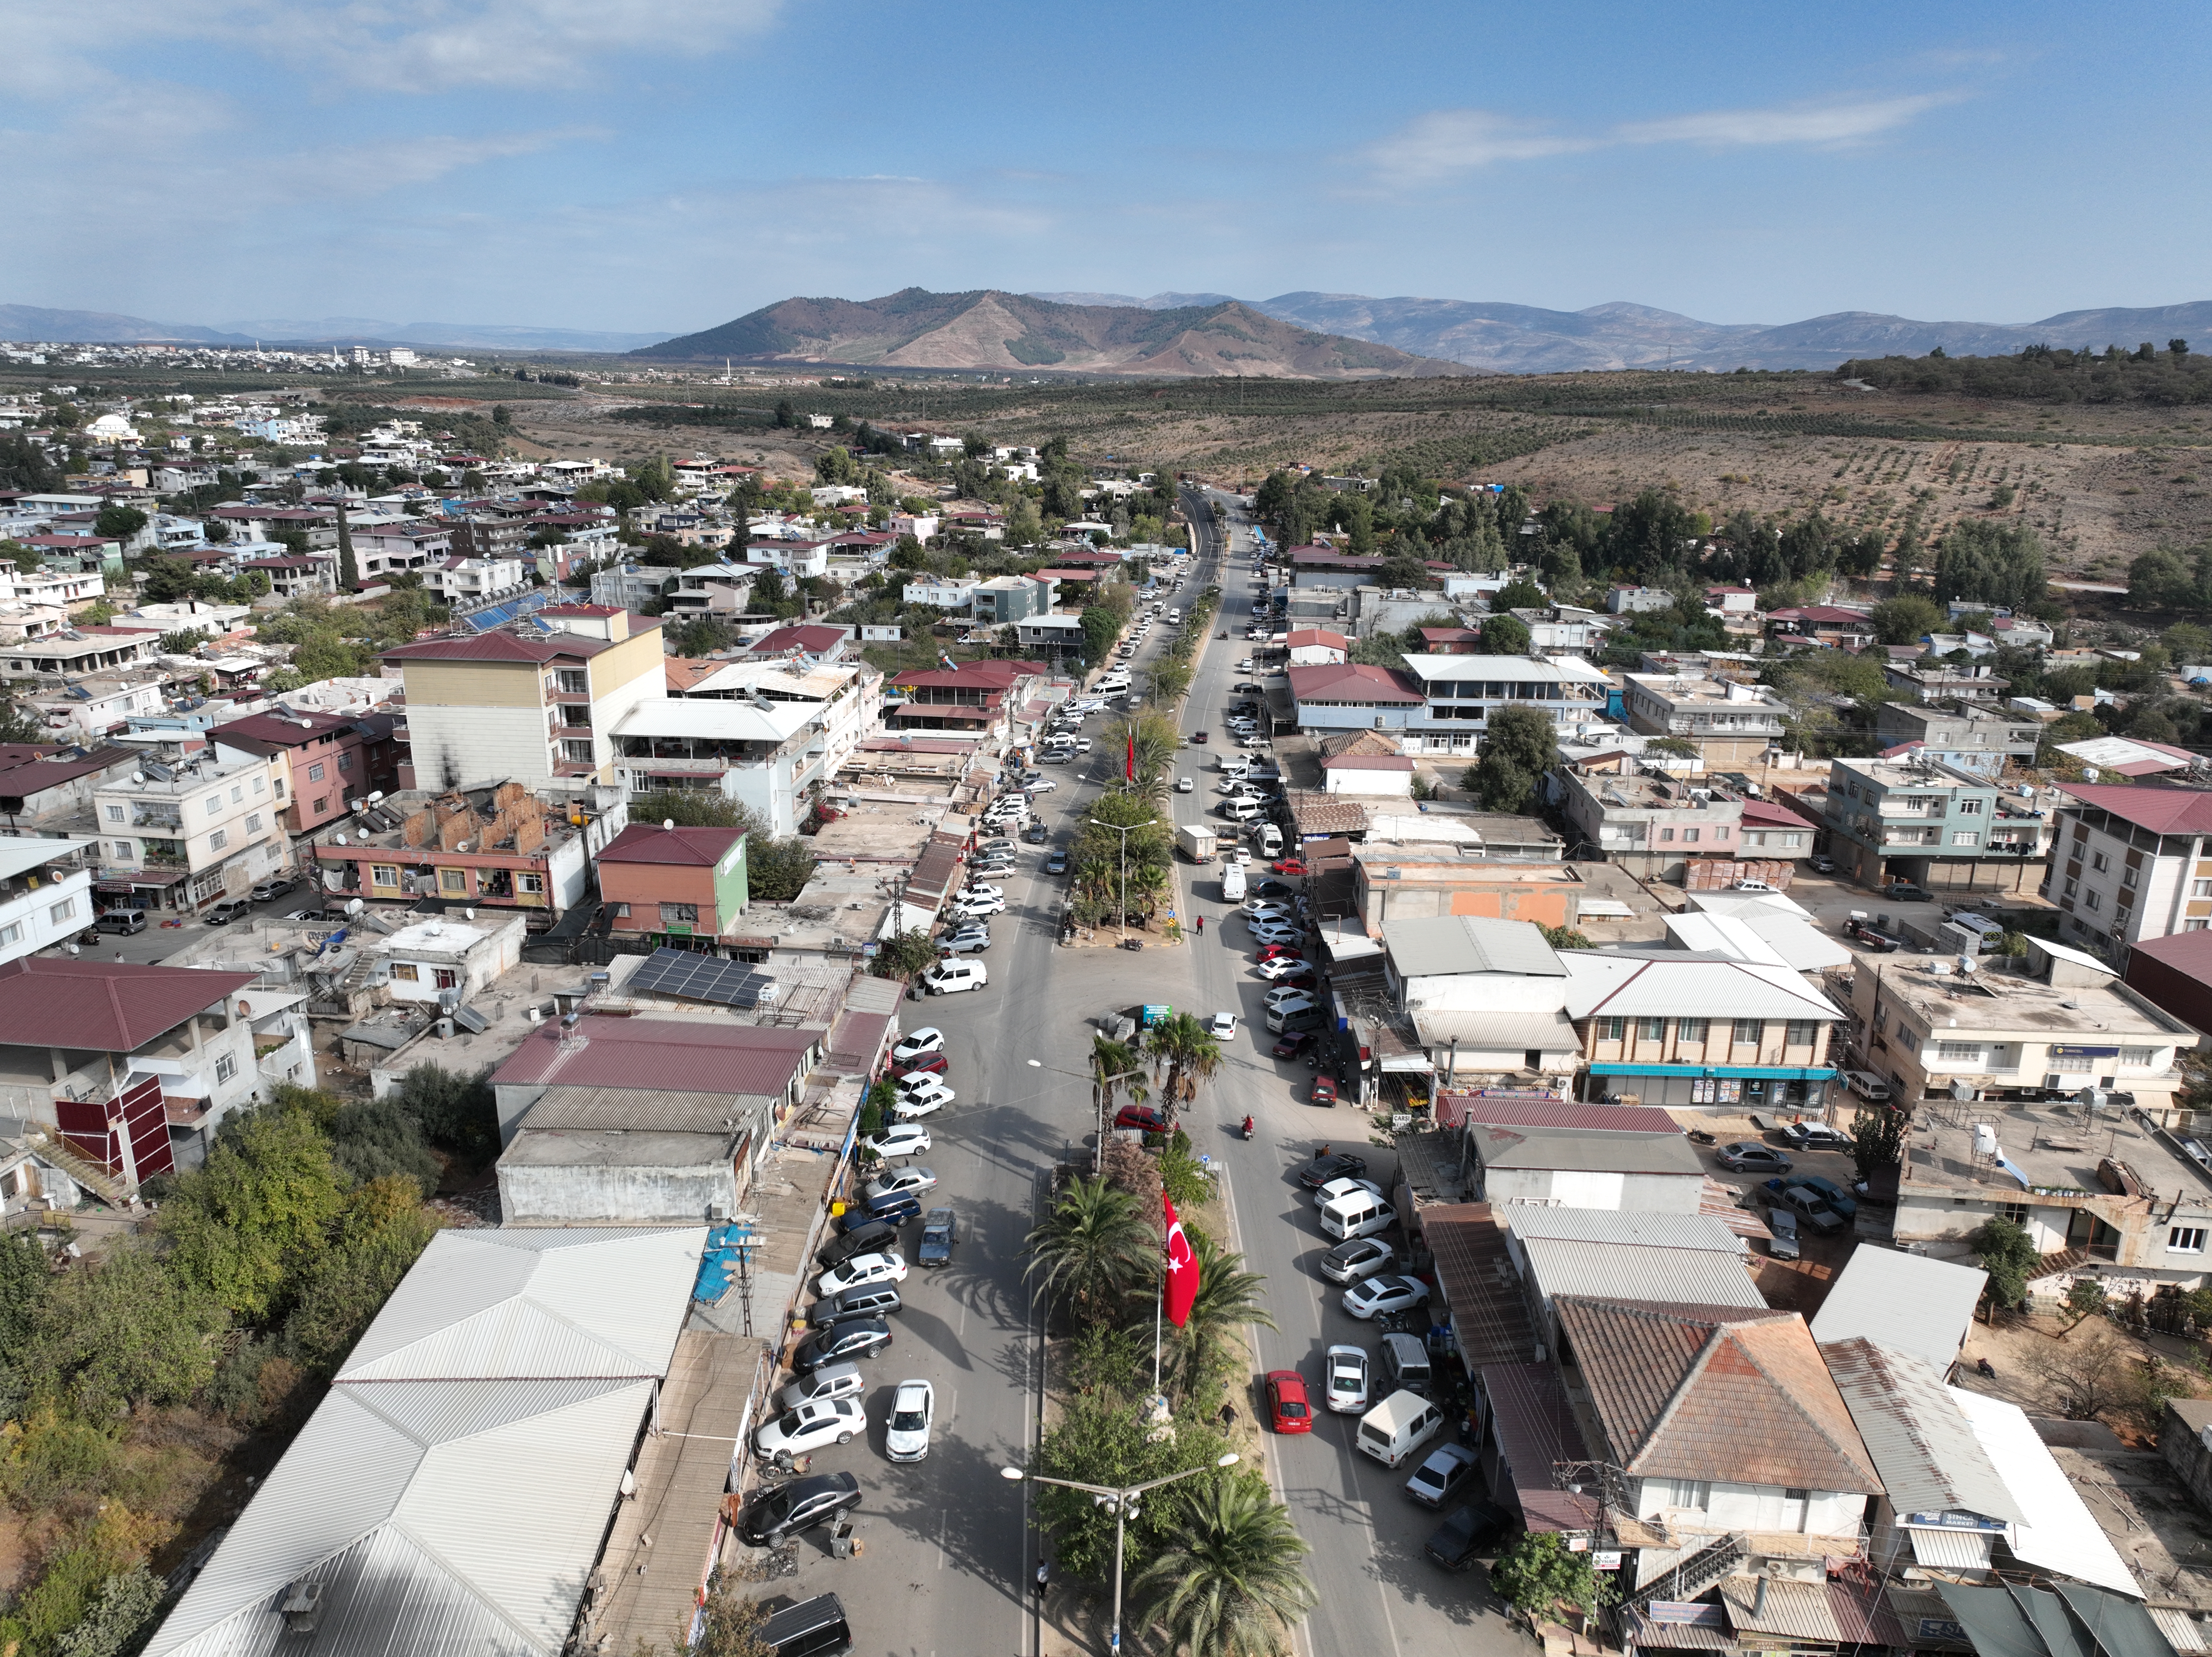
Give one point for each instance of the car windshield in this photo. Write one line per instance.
(907, 1421)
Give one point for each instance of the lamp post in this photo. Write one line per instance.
(1121, 1503)
(1149, 822)
(1100, 1087)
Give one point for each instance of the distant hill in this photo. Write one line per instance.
(989, 329)
(36, 322)
(32, 322)
(1523, 339)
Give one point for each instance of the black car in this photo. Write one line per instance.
(1340, 1165)
(864, 1234)
(797, 1505)
(1474, 1529)
(855, 1338)
(1274, 889)
(875, 1300)
(230, 909)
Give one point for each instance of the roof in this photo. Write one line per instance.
(1581, 1152)
(1715, 1393)
(2187, 953)
(1452, 1107)
(1623, 986)
(2161, 810)
(1298, 637)
(651, 843)
(267, 732)
(498, 647)
(1908, 1301)
(1536, 1432)
(1352, 682)
(1490, 1320)
(1540, 669)
(1780, 1608)
(813, 639)
(1496, 1030)
(102, 1006)
(1711, 1276)
(687, 1055)
(1773, 940)
(1531, 1223)
(604, 1109)
(2131, 757)
(2060, 1534)
(1430, 945)
(1922, 1444)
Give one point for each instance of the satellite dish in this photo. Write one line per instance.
(355, 908)
(340, 839)
(668, 824)
(137, 776)
(468, 915)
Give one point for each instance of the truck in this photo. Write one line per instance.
(1195, 840)
(1232, 883)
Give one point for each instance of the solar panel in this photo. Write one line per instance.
(689, 976)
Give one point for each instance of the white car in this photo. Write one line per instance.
(1183, 785)
(1377, 1296)
(1274, 932)
(1283, 966)
(1240, 855)
(1259, 907)
(1288, 997)
(1329, 1193)
(975, 908)
(928, 1039)
(1224, 1027)
(1360, 1257)
(811, 1426)
(927, 1096)
(975, 888)
(1244, 666)
(905, 1182)
(1345, 1387)
(862, 1270)
(913, 1407)
(900, 1139)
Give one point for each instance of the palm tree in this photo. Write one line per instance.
(1233, 1581)
(1190, 1054)
(1228, 1299)
(1116, 1065)
(1093, 1248)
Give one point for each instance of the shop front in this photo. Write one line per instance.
(1723, 1090)
(154, 890)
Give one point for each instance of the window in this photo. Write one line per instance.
(406, 971)
(122, 853)
(218, 839)
(452, 880)
(315, 772)
(1720, 834)
(1610, 1029)
(2195, 925)
(1666, 833)
(280, 786)
(64, 910)
(1651, 1029)
(1802, 1032)
(2016, 1212)
(12, 933)
(322, 804)
(576, 752)
(1690, 834)
(622, 912)
(1970, 808)
(530, 883)
(444, 978)
(225, 1068)
(345, 762)
(2094, 900)
(2073, 886)
(258, 787)
(1747, 1032)
(2139, 1057)
(1965, 837)
(1689, 1031)
(679, 914)
(2200, 889)
(383, 874)
(115, 815)
(2100, 862)
(2129, 876)
(1695, 1493)
(1959, 1052)
(215, 803)
(253, 823)
(2185, 1239)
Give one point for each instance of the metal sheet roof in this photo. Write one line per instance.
(1994, 1622)
(677, 1055)
(599, 1108)
(1798, 1610)
(2180, 1628)
(1570, 1148)
(1598, 1225)
(1439, 944)
(486, 1304)
(1620, 986)
(1926, 1450)
(2061, 1534)
(1634, 1271)
(1502, 1031)
(1908, 1301)
(1536, 1432)
(2121, 1627)
(1952, 1549)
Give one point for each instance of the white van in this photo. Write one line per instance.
(950, 977)
(1232, 883)
(1243, 808)
(1271, 840)
(1398, 1426)
(1356, 1214)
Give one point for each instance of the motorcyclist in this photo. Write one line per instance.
(1248, 1127)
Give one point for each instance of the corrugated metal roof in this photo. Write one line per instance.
(1796, 1611)
(1635, 1272)
(1501, 1031)
(1488, 1317)
(1945, 1549)
(2180, 1628)
(485, 1304)
(1907, 1302)
(678, 1055)
(102, 1007)
(1536, 1431)
(1993, 1620)
(1599, 1225)
(1922, 1445)
(1629, 988)
(1570, 1148)
(2060, 1534)
(1519, 1110)
(2121, 1627)
(1430, 945)
(594, 1109)
(1862, 1611)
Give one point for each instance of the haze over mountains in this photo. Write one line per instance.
(24, 322)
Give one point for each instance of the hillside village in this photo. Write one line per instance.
(1750, 1012)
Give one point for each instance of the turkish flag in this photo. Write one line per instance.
(1132, 773)
(1183, 1271)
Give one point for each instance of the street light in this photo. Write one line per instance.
(1149, 822)
(1121, 1503)
(1101, 1086)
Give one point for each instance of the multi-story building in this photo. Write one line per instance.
(673, 885)
(1652, 826)
(1731, 725)
(2132, 862)
(296, 576)
(1435, 706)
(463, 582)
(45, 893)
(1939, 681)
(502, 847)
(718, 589)
(78, 651)
(537, 703)
(1919, 821)
(322, 766)
(1726, 1036)
(100, 705)
(975, 697)
(941, 592)
(1975, 737)
(183, 834)
(386, 545)
(1005, 598)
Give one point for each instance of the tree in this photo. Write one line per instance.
(1877, 1140)
(377, 1139)
(1537, 1574)
(729, 1624)
(2009, 1255)
(1519, 593)
(124, 1330)
(1520, 745)
(1190, 1054)
(1905, 619)
(116, 522)
(383, 1230)
(1232, 1581)
(242, 1226)
(1229, 1298)
(1092, 1249)
(457, 1111)
(1505, 636)
(905, 954)
(1986, 562)
(349, 571)
(2091, 1370)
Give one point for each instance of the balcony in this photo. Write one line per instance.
(151, 817)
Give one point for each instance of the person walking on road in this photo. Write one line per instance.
(1202, 926)
(1043, 1576)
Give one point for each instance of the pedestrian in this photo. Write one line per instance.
(1202, 926)
(1321, 1154)
(1043, 1576)
(1228, 1418)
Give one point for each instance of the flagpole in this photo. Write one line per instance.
(1159, 1299)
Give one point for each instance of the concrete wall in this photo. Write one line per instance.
(1625, 1193)
(665, 1190)
(2181, 1441)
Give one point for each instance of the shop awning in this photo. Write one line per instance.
(1767, 1073)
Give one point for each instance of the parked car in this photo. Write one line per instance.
(1290, 1044)
(896, 1209)
(1443, 1476)
(1284, 965)
(887, 1266)
(929, 1063)
(1056, 864)
(1904, 891)
(800, 1505)
(1808, 1205)
(228, 911)
(1224, 1027)
(1347, 1369)
(831, 1380)
(906, 1435)
(1783, 1224)
(1754, 886)
(1821, 864)
(859, 1338)
(1815, 1136)
(939, 1233)
(1373, 1296)
(965, 940)
(1288, 1411)
(1830, 1192)
(1323, 1092)
(978, 907)
(920, 1096)
(1869, 1086)
(877, 1300)
(928, 1039)
(901, 1183)
(1337, 1165)
(1140, 1116)
(864, 1236)
(1741, 1154)
(273, 888)
(1471, 1531)
(129, 922)
(1361, 1257)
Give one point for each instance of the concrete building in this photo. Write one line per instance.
(1458, 705)
(2129, 864)
(1732, 724)
(1928, 824)
(941, 593)
(500, 846)
(1639, 1254)
(1726, 1037)
(1653, 826)
(79, 651)
(764, 754)
(538, 706)
(99, 705)
(845, 697)
(321, 765)
(659, 884)
(1936, 681)
(1976, 738)
(1006, 598)
(186, 834)
(45, 893)
(1408, 882)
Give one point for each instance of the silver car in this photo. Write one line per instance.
(832, 1381)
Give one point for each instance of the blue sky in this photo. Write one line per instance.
(670, 164)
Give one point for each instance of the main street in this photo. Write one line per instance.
(947, 1559)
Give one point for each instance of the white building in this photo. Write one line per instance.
(943, 592)
(46, 894)
(181, 836)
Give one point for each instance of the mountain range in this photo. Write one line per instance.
(33, 322)
(987, 328)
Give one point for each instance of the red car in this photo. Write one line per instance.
(1292, 1045)
(927, 1064)
(1140, 1116)
(1280, 952)
(1287, 1409)
(1324, 1091)
(1198, 736)
(1289, 867)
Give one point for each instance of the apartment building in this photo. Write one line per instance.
(1459, 692)
(503, 846)
(384, 545)
(1936, 681)
(673, 885)
(537, 702)
(1653, 826)
(181, 835)
(1920, 821)
(845, 697)
(2132, 862)
(1731, 724)
(1724, 1035)
(1974, 738)
(45, 893)
(78, 651)
(321, 765)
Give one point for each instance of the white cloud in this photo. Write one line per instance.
(1447, 142)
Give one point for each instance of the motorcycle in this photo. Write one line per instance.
(1248, 1127)
(1133, 943)
(1703, 1137)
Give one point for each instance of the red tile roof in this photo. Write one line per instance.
(2161, 810)
(814, 639)
(1353, 681)
(1455, 1108)
(1318, 635)
(94, 1007)
(662, 1054)
(650, 843)
(498, 647)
